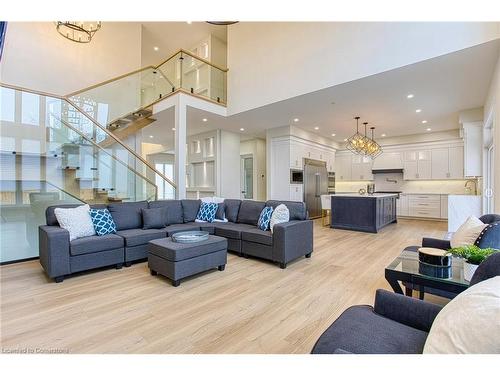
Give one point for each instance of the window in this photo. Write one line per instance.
(8, 107)
(30, 106)
(165, 190)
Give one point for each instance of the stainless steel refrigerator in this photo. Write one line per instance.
(315, 185)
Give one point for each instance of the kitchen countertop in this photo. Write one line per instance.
(357, 195)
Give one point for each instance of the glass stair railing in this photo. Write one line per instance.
(22, 208)
(45, 137)
(124, 104)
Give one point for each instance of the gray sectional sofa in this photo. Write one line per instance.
(61, 257)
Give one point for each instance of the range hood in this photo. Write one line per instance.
(390, 162)
(387, 170)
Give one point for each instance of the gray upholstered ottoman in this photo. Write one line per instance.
(179, 260)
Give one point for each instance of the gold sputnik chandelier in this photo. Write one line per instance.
(361, 144)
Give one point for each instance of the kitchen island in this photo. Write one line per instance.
(363, 213)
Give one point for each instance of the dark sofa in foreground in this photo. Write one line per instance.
(59, 257)
(396, 324)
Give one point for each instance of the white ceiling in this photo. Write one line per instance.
(442, 87)
(171, 36)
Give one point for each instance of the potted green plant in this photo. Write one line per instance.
(473, 256)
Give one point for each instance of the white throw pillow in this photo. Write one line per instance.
(469, 323)
(76, 221)
(280, 215)
(468, 232)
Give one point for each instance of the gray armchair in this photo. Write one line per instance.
(396, 324)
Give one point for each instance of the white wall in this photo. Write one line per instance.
(228, 165)
(274, 61)
(35, 56)
(492, 108)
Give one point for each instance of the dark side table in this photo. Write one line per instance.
(407, 269)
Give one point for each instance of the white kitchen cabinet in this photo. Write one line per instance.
(388, 160)
(447, 163)
(296, 192)
(361, 168)
(425, 205)
(330, 162)
(444, 206)
(402, 205)
(440, 163)
(456, 163)
(343, 167)
(297, 152)
(417, 165)
(473, 149)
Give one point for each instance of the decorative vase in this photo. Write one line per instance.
(469, 270)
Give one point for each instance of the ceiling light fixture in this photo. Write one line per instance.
(204, 120)
(222, 23)
(295, 120)
(429, 129)
(409, 96)
(151, 136)
(382, 135)
(316, 128)
(418, 110)
(156, 48)
(78, 31)
(361, 144)
(345, 139)
(424, 121)
(242, 129)
(173, 129)
(333, 134)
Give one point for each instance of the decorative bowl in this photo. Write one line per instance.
(434, 257)
(190, 237)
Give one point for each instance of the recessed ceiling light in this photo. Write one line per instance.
(316, 128)
(242, 129)
(424, 121)
(333, 134)
(173, 129)
(345, 139)
(205, 120)
(429, 129)
(151, 136)
(295, 120)
(156, 48)
(418, 110)
(383, 135)
(409, 96)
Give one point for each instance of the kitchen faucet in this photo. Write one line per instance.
(468, 189)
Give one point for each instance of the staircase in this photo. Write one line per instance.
(71, 149)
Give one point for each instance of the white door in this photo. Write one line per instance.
(246, 177)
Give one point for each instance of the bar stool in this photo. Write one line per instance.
(326, 207)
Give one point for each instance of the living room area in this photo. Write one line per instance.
(287, 186)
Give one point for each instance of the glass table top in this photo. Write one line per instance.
(408, 263)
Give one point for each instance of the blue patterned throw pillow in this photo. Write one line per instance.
(103, 221)
(265, 218)
(207, 212)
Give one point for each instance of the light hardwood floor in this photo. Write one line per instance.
(251, 307)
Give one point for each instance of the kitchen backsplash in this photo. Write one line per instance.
(395, 182)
